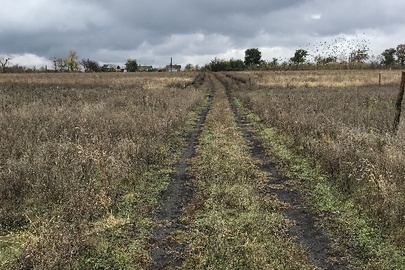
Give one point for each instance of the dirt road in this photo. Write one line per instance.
(304, 231)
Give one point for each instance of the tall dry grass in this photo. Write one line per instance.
(322, 78)
(72, 145)
(344, 122)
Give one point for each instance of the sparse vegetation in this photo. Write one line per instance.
(322, 79)
(343, 121)
(83, 158)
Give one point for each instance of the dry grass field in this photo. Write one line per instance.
(322, 78)
(79, 154)
(84, 159)
(342, 119)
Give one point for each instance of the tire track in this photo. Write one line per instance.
(168, 252)
(322, 249)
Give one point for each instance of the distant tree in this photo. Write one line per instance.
(16, 68)
(359, 56)
(59, 63)
(55, 63)
(375, 60)
(324, 60)
(131, 65)
(225, 65)
(273, 64)
(388, 57)
(90, 65)
(299, 57)
(236, 65)
(189, 67)
(72, 62)
(4, 63)
(401, 54)
(218, 65)
(252, 57)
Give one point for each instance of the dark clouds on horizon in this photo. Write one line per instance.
(189, 31)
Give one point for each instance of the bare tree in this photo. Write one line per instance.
(90, 65)
(189, 67)
(54, 61)
(59, 63)
(4, 63)
(401, 54)
(359, 56)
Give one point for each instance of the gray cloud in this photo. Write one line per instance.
(189, 30)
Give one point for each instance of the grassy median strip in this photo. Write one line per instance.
(233, 225)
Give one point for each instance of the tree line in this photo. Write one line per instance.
(358, 58)
(70, 63)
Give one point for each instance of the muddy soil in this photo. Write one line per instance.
(322, 249)
(167, 252)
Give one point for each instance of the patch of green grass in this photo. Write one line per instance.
(342, 217)
(9, 249)
(233, 223)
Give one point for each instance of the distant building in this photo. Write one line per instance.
(110, 68)
(173, 68)
(145, 68)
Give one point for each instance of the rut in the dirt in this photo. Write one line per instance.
(168, 252)
(322, 249)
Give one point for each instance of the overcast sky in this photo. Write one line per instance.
(193, 31)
